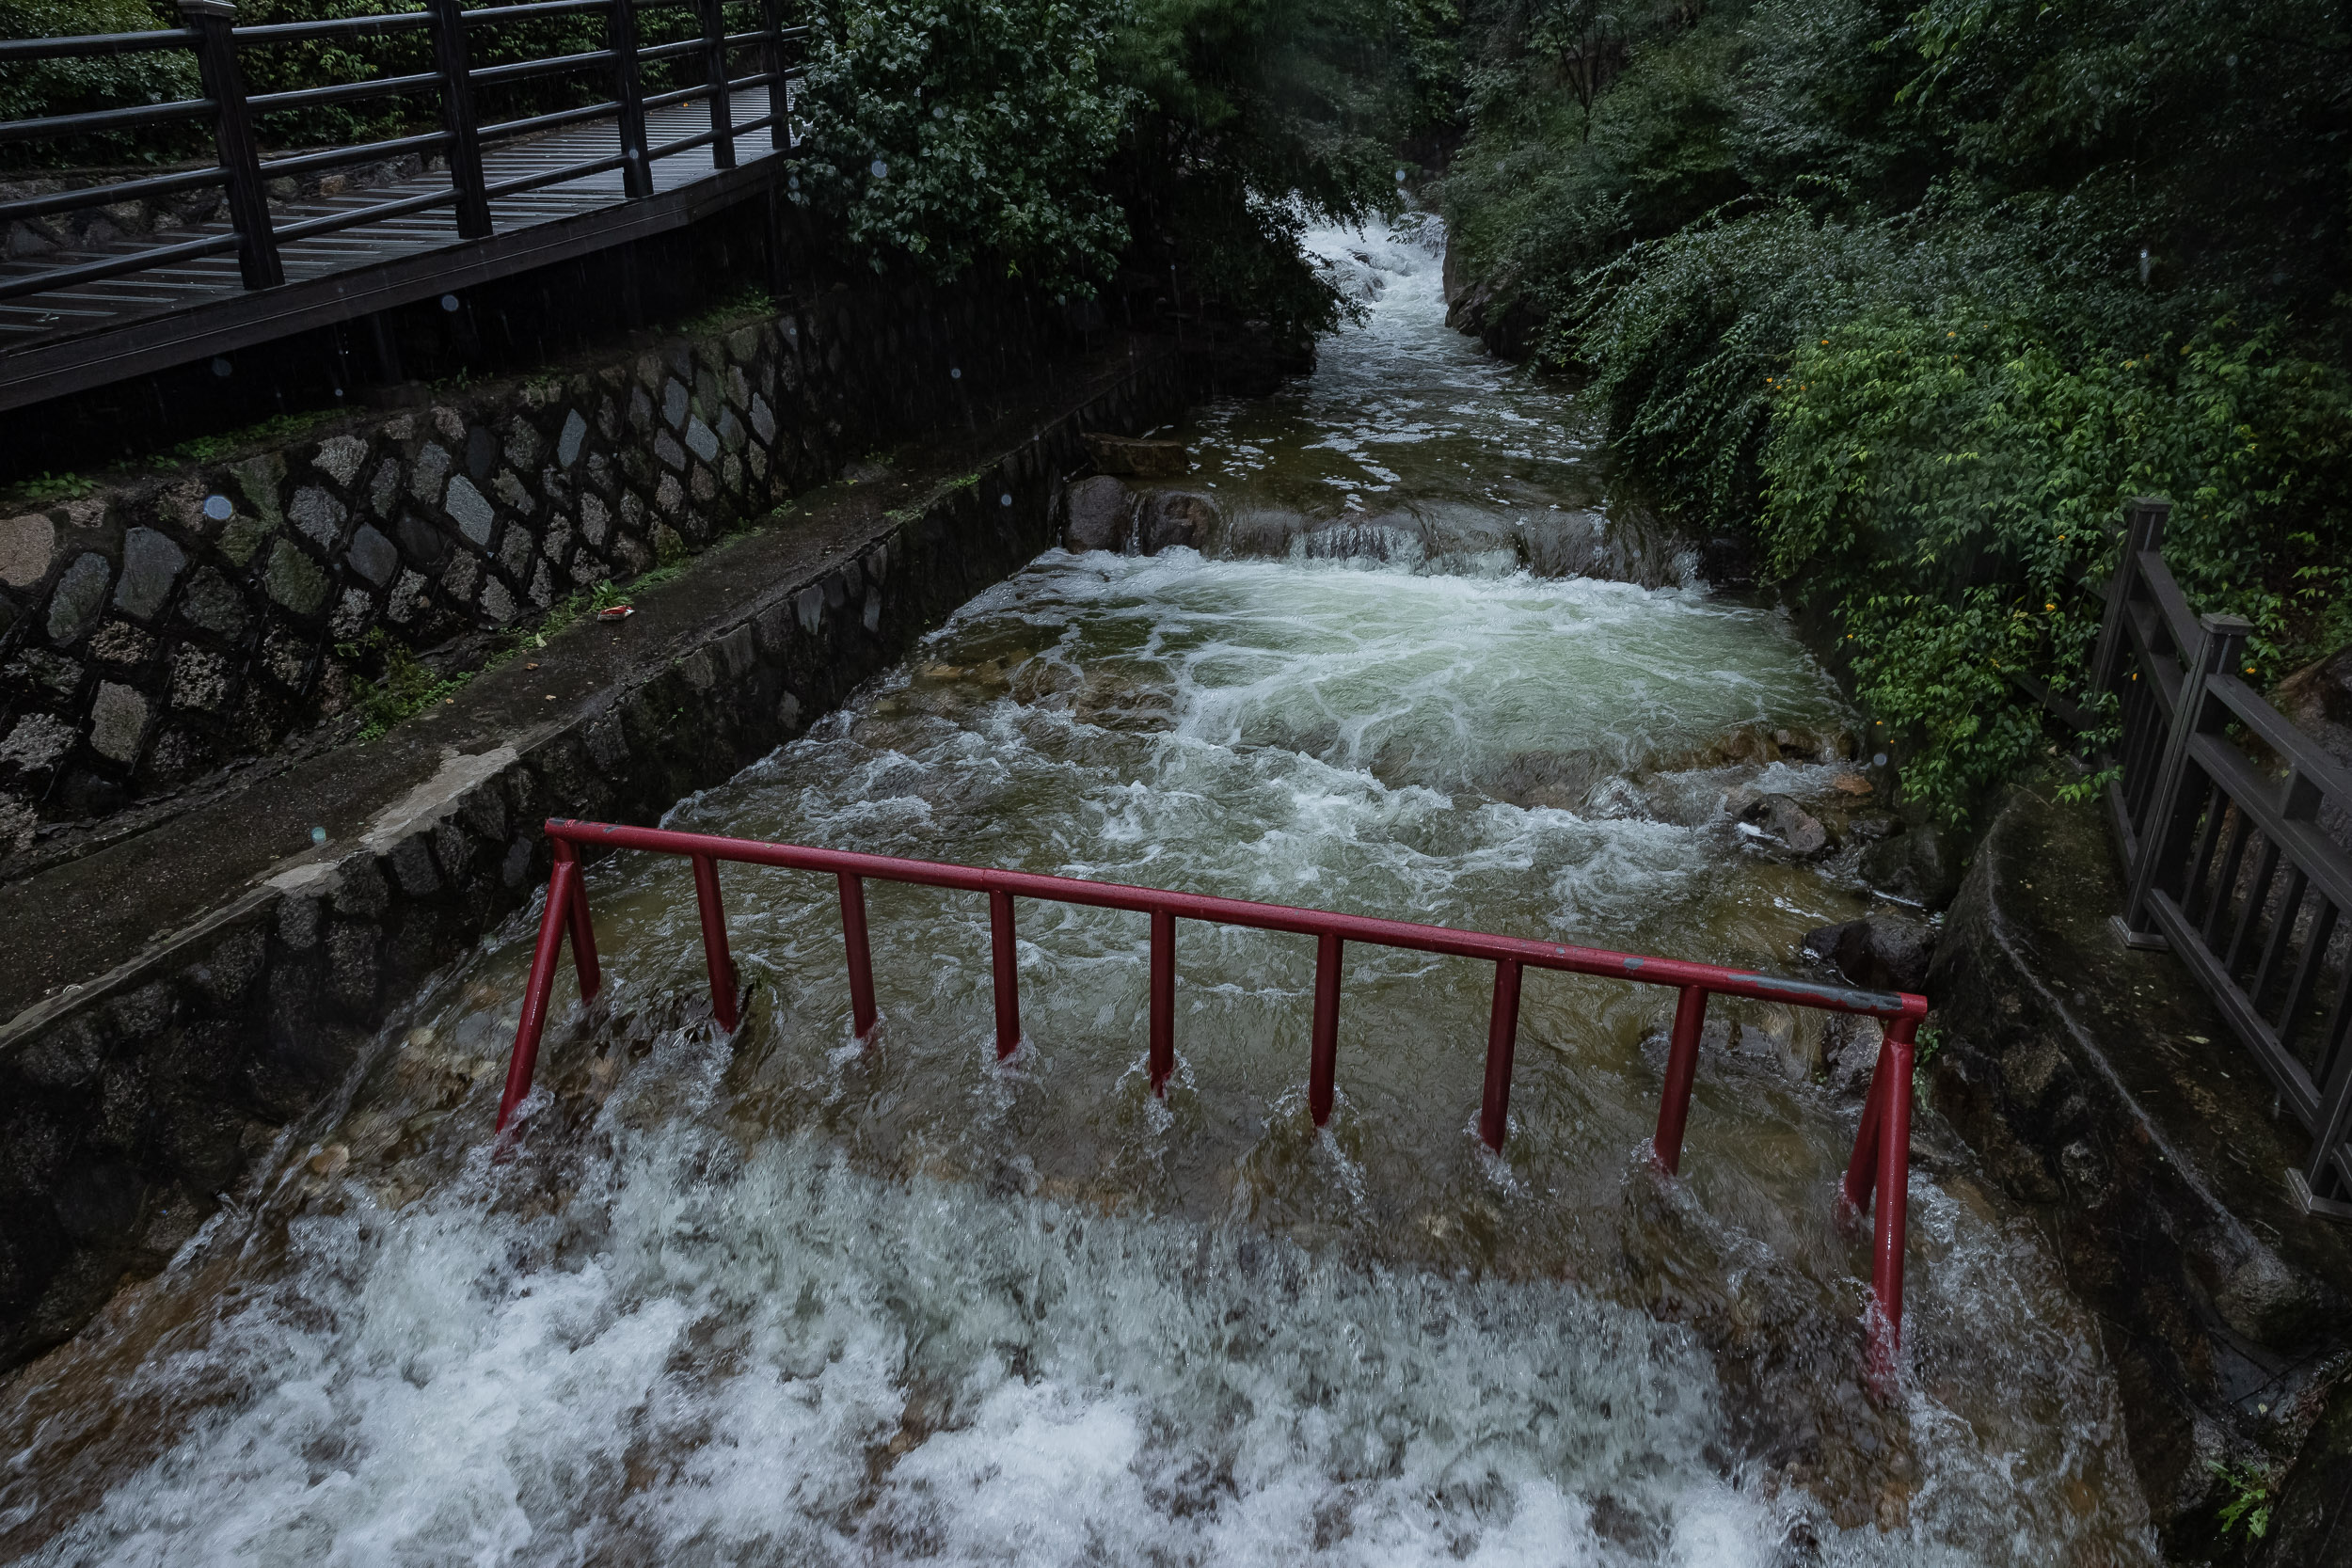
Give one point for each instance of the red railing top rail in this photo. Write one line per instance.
(1639, 968)
(1879, 1164)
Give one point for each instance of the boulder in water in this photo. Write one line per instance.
(1783, 820)
(1917, 866)
(1881, 951)
(1175, 518)
(1124, 454)
(1098, 512)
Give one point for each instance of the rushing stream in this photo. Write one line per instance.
(780, 1300)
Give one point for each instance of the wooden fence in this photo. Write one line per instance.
(2217, 810)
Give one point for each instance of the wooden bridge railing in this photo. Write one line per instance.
(217, 42)
(2230, 858)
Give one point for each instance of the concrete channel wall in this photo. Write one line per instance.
(131, 1103)
(163, 625)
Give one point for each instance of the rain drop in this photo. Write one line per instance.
(1399, 177)
(449, 302)
(222, 368)
(219, 507)
(318, 835)
(939, 111)
(1878, 759)
(1005, 499)
(954, 374)
(881, 171)
(793, 183)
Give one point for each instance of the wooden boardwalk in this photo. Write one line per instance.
(72, 339)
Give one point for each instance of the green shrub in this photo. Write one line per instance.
(40, 88)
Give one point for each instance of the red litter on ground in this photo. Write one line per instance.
(614, 613)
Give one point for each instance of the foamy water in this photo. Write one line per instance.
(778, 1299)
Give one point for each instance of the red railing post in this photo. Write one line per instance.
(1862, 1166)
(1682, 1065)
(716, 957)
(1322, 1065)
(1878, 1166)
(1894, 1196)
(1503, 1037)
(524, 1059)
(583, 933)
(861, 956)
(1163, 1058)
(1001, 961)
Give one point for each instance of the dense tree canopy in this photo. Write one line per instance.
(1918, 293)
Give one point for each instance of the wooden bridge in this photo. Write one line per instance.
(507, 198)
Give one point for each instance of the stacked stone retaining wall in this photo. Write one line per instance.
(162, 627)
(130, 1103)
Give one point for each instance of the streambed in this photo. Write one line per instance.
(779, 1299)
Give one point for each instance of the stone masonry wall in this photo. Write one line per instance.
(128, 1104)
(162, 628)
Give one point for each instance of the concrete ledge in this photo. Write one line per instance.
(223, 984)
(2102, 1090)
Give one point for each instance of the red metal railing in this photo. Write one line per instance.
(1882, 1147)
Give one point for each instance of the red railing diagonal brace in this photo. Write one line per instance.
(860, 958)
(1682, 1067)
(1881, 1160)
(1880, 1157)
(552, 920)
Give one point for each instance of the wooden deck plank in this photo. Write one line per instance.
(33, 322)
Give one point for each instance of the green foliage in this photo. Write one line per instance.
(404, 688)
(957, 134)
(40, 88)
(278, 430)
(1920, 295)
(2252, 1490)
(43, 488)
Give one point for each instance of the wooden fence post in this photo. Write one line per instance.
(628, 92)
(772, 61)
(2143, 530)
(2173, 816)
(451, 58)
(233, 139)
(721, 102)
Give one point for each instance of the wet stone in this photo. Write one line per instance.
(763, 419)
(482, 452)
(1099, 509)
(36, 742)
(509, 488)
(470, 509)
(675, 402)
(353, 612)
(426, 474)
(340, 457)
(567, 445)
(212, 605)
(669, 450)
(373, 556)
(199, 679)
(497, 602)
(119, 642)
(79, 593)
(319, 515)
(522, 444)
(117, 716)
(294, 580)
(26, 545)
